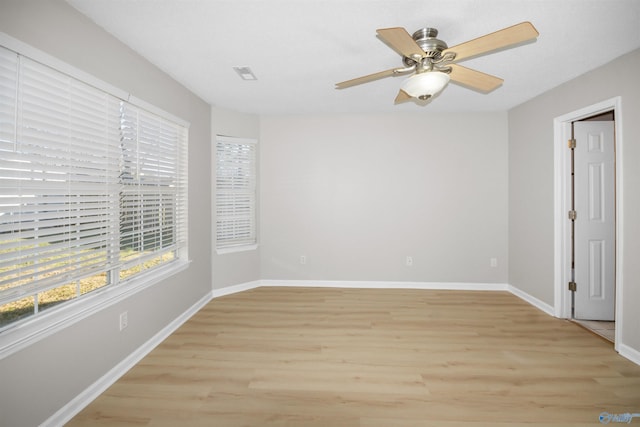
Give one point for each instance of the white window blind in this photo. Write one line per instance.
(8, 88)
(235, 192)
(92, 189)
(59, 180)
(154, 168)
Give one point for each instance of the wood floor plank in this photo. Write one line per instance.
(371, 357)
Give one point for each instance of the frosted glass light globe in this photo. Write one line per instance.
(425, 85)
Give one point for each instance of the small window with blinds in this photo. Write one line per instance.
(92, 189)
(235, 194)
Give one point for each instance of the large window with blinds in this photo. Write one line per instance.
(235, 194)
(93, 189)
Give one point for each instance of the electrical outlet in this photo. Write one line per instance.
(124, 319)
(493, 262)
(409, 261)
(303, 259)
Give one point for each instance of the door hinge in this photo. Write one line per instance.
(572, 143)
(572, 286)
(573, 215)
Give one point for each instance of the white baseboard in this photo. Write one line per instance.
(362, 284)
(64, 414)
(234, 289)
(628, 352)
(532, 300)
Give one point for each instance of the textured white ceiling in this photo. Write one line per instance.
(299, 49)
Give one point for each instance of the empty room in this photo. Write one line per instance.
(319, 213)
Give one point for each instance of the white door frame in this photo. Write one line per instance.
(562, 191)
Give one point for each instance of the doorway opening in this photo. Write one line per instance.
(592, 217)
(587, 264)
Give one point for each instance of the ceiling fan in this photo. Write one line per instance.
(432, 63)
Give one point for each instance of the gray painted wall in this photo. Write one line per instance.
(531, 188)
(42, 378)
(358, 194)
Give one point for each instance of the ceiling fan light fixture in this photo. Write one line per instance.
(425, 85)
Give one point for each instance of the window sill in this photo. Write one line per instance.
(24, 334)
(233, 249)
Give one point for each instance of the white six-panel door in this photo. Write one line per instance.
(594, 239)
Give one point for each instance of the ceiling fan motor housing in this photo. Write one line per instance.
(426, 39)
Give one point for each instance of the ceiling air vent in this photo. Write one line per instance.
(245, 73)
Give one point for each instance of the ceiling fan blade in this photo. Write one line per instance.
(400, 40)
(366, 79)
(473, 79)
(402, 97)
(501, 39)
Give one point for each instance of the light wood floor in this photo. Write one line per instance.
(325, 357)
